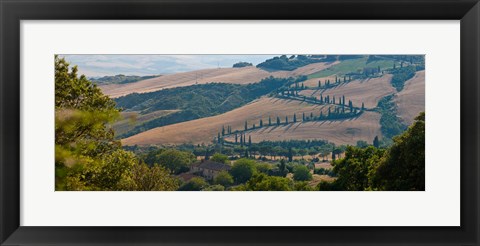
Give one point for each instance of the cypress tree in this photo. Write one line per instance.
(249, 140)
(246, 126)
(286, 119)
(261, 123)
(311, 116)
(278, 121)
(319, 84)
(294, 117)
(269, 121)
(363, 106)
(333, 99)
(343, 99)
(223, 130)
(376, 143)
(241, 140)
(290, 154)
(218, 138)
(303, 116)
(236, 138)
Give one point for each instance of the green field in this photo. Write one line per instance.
(352, 65)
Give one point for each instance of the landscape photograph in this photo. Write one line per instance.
(255, 122)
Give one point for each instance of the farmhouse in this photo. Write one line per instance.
(209, 169)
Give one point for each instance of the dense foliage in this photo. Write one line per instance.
(86, 155)
(242, 64)
(243, 170)
(401, 167)
(391, 124)
(288, 63)
(301, 173)
(120, 79)
(401, 75)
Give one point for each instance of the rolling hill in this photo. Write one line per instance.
(243, 75)
(411, 100)
(369, 91)
(365, 127)
(368, 81)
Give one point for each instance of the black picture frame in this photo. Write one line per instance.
(13, 11)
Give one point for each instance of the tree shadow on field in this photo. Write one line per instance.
(272, 128)
(288, 127)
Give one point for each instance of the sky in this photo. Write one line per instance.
(107, 65)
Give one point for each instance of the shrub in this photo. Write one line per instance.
(195, 184)
(243, 170)
(301, 173)
(223, 178)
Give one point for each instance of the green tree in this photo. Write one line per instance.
(194, 184)
(216, 187)
(290, 154)
(243, 170)
(220, 158)
(283, 167)
(223, 178)
(376, 142)
(144, 178)
(176, 161)
(262, 182)
(362, 144)
(354, 171)
(302, 186)
(263, 167)
(301, 173)
(403, 167)
(87, 157)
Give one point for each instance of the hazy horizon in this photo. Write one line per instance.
(141, 65)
